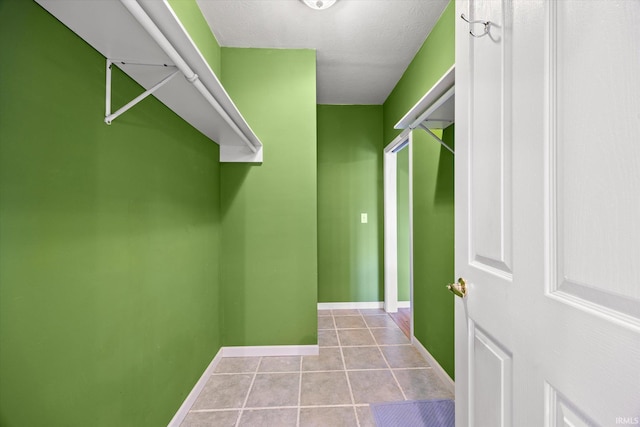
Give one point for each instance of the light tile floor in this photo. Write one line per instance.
(364, 358)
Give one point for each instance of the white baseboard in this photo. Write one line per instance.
(437, 369)
(270, 350)
(178, 418)
(349, 305)
(404, 304)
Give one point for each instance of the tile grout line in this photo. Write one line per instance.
(353, 400)
(336, 346)
(372, 327)
(414, 368)
(388, 364)
(246, 399)
(299, 393)
(346, 374)
(267, 408)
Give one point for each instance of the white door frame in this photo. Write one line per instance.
(391, 222)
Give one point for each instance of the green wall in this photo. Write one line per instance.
(404, 244)
(109, 239)
(432, 195)
(269, 257)
(433, 245)
(190, 15)
(269, 240)
(350, 183)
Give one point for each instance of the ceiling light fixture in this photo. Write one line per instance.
(319, 4)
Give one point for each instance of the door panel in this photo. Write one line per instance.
(562, 412)
(491, 376)
(490, 123)
(596, 232)
(548, 213)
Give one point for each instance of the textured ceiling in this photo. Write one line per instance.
(363, 46)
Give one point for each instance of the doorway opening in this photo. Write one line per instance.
(398, 290)
(435, 110)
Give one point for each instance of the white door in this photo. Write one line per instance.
(548, 213)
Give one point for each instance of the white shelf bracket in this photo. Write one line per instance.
(426, 129)
(109, 117)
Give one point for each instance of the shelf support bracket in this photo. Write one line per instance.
(109, 117)
(426, 129)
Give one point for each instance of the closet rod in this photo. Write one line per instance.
(141, 16)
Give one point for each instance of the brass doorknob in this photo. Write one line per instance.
(459, 288)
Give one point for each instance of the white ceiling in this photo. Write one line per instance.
(363, 46)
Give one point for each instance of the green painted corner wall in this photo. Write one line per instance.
(404, 244)
(433, 210)
(433, 245)
(109, 239)
(350, 183)
(269, 211)
(190, 15)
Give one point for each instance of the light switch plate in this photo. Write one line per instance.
(363, 218)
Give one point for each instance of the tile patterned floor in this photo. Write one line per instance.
(364, 358)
